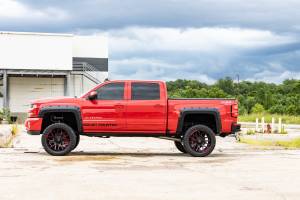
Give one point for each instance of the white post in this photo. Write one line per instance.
(68, 85)
(263, 124)
(256, 125)
(273, 125)
(279, 125)
(5, 89)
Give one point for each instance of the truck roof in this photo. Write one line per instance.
(136, 81)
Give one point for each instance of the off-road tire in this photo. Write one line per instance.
(194, 139)
(48, 138)
(179, 146)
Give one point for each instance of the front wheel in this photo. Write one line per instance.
(199, 141)
(58, 139)
(77, 141)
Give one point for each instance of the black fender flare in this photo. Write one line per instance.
(63, 109)
(211, 111)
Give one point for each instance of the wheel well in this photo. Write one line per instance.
(63, 117)
(201, 118)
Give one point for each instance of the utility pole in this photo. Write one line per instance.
(238, 83)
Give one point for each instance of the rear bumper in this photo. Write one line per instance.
(33, 125)
(235, 128)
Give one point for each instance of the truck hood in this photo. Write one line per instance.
(56, 100)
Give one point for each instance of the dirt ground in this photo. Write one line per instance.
(147, 168)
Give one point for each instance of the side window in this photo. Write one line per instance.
(145, 91)
(111, 91)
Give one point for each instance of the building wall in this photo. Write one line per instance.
(91, 50)
(90, 46)
(28, 58)
(32, 51)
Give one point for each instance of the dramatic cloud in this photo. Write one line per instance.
(104, 14)
(12, 9)
(274, 77)
(138, 68)
(207, 40)
(204, 54)
(204, 40)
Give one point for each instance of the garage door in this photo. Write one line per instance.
(24, 89)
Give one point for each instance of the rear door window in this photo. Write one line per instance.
(145, 91)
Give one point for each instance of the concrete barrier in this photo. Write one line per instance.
(6, 136)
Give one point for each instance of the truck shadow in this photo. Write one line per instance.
(149, 154)
(169, 159)
(135, 154)
(138, 154)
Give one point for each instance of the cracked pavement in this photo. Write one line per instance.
(147, 168)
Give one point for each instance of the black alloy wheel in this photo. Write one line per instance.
(199, 141)
(58, 139)
(179, 146)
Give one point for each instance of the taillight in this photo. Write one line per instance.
(234, 110)
(33, 111)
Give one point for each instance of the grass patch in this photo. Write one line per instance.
(287, 119)
(290, 144)
(86, 158)
(8, 144)
(14, 132)
(250, 132)
(14, 129)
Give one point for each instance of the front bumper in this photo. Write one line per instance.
(33, 132)
(33, 125)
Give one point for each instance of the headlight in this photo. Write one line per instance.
(33, 111)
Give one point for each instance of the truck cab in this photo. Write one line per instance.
(126, 107)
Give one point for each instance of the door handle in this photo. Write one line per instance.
(119, 106)
(158, 105)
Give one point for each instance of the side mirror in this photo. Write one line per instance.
(92, 95)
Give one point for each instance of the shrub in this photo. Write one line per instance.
(280, 109)
(257, 108)
(5, 115)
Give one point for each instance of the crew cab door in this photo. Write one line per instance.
(106, 113)
(146, 107)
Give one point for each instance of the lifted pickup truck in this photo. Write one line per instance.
(132, 109)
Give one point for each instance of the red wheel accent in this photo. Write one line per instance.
(58, 139)
(199, 141)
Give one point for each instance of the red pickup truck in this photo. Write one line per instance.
(132, 109)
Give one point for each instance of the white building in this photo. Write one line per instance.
(39, 65)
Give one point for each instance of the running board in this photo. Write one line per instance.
(170, 138)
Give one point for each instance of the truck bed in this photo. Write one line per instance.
(223, 105)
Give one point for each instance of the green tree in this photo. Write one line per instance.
(250, 102)
(226, 85)
(277, 109)
(242, 110)
(282, 98)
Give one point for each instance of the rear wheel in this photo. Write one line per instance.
(199, 141)
(179, 146)
(58, 139)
